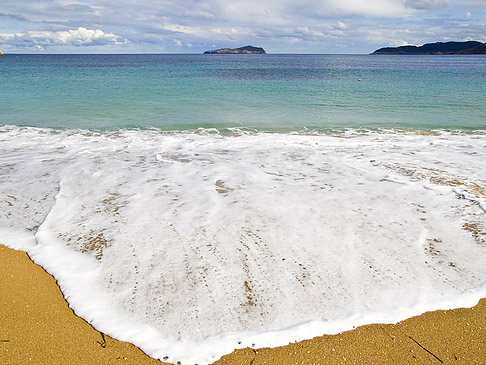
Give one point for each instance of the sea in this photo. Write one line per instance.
(195, 204)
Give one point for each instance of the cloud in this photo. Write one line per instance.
(306, 26)
(381, 8)
(77, 37)
(199, 14)
(12, 16)
(425, 4)
(341, 25)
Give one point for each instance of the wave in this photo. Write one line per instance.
(190, 244)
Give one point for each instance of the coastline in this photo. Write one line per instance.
(38, 326)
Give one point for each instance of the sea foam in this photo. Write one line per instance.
(192, 244)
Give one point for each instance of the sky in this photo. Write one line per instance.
(193, 26)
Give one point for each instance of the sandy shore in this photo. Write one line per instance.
(38, 327)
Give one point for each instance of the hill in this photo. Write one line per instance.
(470, 47)
(241, 50)
(476, 50)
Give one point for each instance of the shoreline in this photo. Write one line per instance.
(37, 325)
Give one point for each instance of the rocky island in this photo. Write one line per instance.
(241, 50)
(471, 47)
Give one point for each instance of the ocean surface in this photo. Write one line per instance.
(194, 204)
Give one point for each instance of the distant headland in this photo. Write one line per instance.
(241, 50)
(471, 47)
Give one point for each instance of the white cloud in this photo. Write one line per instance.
(199, 14)
(387, 8)
(78, 37)
(170, 25)
(341, 25)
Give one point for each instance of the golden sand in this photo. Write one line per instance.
(38, 327)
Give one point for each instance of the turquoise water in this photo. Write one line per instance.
(255, 91)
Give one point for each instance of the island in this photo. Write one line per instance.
(241, 50)
(470, 47)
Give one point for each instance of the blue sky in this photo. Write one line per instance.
(192, 26)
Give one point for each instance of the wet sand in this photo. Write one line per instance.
(37, 326)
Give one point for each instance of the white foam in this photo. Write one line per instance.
(190, 245)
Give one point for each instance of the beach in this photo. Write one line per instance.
(37, 326)
(193, 205)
